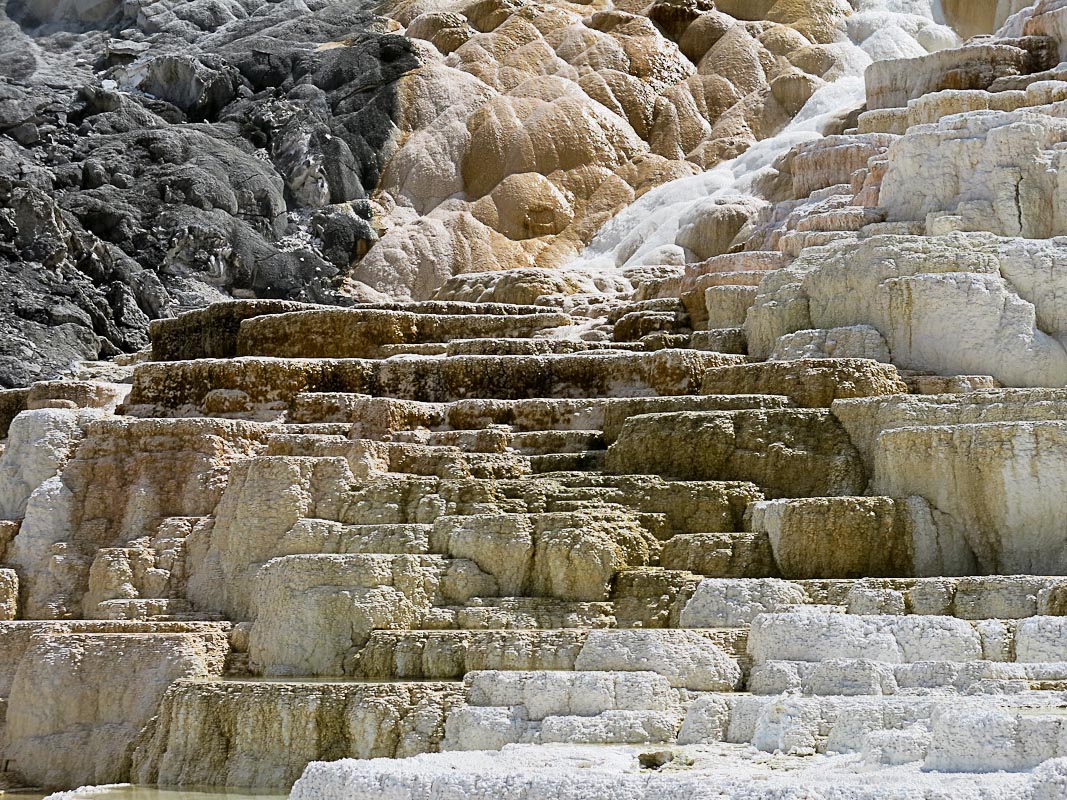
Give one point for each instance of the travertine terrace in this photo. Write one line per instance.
(694, 426)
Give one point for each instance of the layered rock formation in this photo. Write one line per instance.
(745, 485)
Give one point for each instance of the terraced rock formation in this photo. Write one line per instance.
(425, 530)
(753, 491)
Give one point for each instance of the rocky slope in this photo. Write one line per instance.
(632, 469)
(159, 156)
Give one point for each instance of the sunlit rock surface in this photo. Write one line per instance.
(689, 422)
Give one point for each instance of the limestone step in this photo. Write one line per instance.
(866, 418)
(832, 160)
(617, 411)
(744, 261)
(721, 340)
(489, 613)
(787, 452)
(365, 719)
(479, 728)
(652, 597)
(151, 609)
(452, 654)
(974, 66)
(671, 506)
(727, 306)
(16, 636)
(494, 439)
(663, 305)
(572, 693)
(530, 347)
(885, 729)
(854, 537)
(679, 505)
(720, 555)
(366, 456)
(695, 602)
(361, 333)
(700, 660)
(415, 349)
(694, 292)
(812, 635)
(473, 728)
(269, 384)
(858, 676)
(376, 417)
(649, 317)
(922, 383)
(810, 383)
(852, 218)
(570, 555)
(326, 536)
(585, 461)
(538, 443)
(212, 332)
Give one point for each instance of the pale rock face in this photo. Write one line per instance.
(583, 694)
(264, 499)
(721, 603)
(819, 461)
(572, 557)
(313, 613)
(260, 735)
(9, 594)
(810, 383)
(1039, 639)
(993, 172)
(811, 636)
(859, 537)
(854, 341)
(866, 418)
(1000, 291)
(39, 444)
(685, 658)
(983, 480)
(892, 83)
(70, 516)
(971, 738)
(65, 698)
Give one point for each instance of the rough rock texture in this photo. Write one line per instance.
(261, 735)
(157, 157)
(662, 410)
(66, 699)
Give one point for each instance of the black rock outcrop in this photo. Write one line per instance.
(157, 156)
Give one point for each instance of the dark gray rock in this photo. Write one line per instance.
(161, 155)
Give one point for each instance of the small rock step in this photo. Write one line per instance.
(586, 461)
(810, 383)
(530, 347)
(700, 660)
(268, 384)
(812, 456)
(721, 555)
(378, 417)
(361, 333)
(485, 613)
